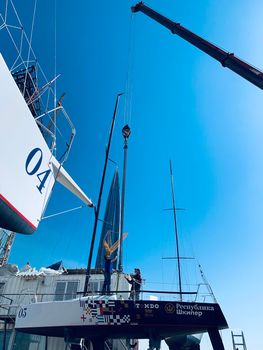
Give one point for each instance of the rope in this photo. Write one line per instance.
(24, 60)
(24, 35)
(129, 83)
(30, 40)
(6, 7)
(55, 69)
(19, 48)
(63, 212)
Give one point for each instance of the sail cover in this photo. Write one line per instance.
(26, 170)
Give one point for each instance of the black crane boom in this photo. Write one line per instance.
(227, 59)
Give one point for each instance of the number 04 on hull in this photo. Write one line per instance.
(28, 168)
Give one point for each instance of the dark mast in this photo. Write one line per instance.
(176, 234)
(97, 209)
(126, 131)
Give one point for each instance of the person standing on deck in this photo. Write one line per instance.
(107, 273)
(136, 281)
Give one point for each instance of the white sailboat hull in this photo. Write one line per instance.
(28, 169)
(96, 317)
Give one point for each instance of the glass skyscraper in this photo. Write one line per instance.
(111, 222)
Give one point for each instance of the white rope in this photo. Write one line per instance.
(23, 36)
(19, 49)
(9, 33)
(19, 61)
(55, 69)
(63, 212)
(32, 29)
(31, 53)
(30, 45)
(6, 8)
(13, 27)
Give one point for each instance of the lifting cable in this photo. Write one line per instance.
(128, 94)
(129, 76)
(55, 74)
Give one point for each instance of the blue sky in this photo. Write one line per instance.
(185, 107)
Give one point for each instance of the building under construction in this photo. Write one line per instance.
(6, 242)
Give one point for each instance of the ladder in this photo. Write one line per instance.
(238, 341)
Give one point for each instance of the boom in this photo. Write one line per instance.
(227, 59)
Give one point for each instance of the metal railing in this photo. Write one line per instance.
(10, 302)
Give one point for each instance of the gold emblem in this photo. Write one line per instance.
(169, 308)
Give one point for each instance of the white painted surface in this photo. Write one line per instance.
(64, 178)
(19, 136)
(26, 161)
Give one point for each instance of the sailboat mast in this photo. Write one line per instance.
(97, 209)
(126, 131)
(176, 234)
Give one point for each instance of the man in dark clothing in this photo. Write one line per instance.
(135, 281)
(107, 273)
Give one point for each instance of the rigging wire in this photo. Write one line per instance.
(55, 74)
(63, 212)
(25, 41)
(129, 82)
(6, 9)
(23, 36)
(30, 44)
(19, 50)
(128, 85)
(32, 30)
(25, 55)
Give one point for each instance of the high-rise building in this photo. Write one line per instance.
(111, 222)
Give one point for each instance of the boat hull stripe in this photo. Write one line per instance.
(12, 219)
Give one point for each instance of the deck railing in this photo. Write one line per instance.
(9, 303)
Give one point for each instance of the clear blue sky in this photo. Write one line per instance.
(185, 107)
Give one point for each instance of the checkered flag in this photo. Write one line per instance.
(90, 305)
(126, 319)
(115, 319)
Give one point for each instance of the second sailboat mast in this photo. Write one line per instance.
(176, 234)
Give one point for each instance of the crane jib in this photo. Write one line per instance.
(227, 59)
